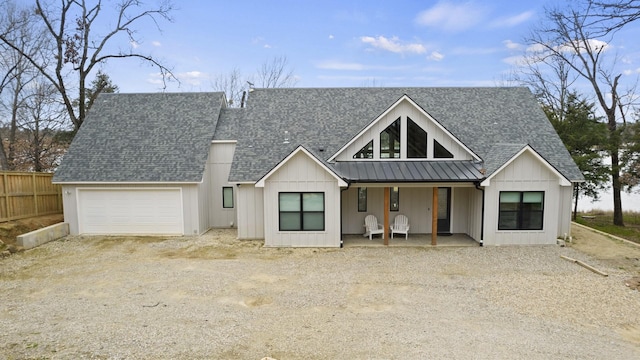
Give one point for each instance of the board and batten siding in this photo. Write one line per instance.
(220, 159)
(526, 173)
(415, 203)
(250, 205)
(403, 110)
(302, 174)
(189, 192)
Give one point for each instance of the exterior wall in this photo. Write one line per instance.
(190, 203)
(526, 173)
(566, 207)
(403, 110)
(219, 166)
(415, 203)
(474, 225)
(303, 174)
(250, 207)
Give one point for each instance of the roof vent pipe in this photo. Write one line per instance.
(244, 97)
(286, 137)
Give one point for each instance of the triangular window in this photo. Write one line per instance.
(366, 152)
(390, 141)
(416, 141)
(440, 152)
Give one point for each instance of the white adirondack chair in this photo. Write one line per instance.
(371, 227)
(400, 226)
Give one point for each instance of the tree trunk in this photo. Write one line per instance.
(617, 188)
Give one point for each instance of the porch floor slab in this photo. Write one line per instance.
(414, 240)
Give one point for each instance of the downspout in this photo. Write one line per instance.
(478, 187)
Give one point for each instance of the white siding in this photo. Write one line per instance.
(416, 204)
(219, 165)
(190, 203)
(526, 173)
(302, 174)
(250, 206)
(403, 110)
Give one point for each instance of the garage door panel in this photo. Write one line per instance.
(130, 211)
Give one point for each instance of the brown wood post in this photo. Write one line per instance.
(434, 218)
(385, 234)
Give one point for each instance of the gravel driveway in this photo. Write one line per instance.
(219, 298)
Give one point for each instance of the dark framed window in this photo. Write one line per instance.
(390, 141)
(362, 199)
(440, 152)
(394, 199)
(366, 152)
(416, 141)
(227, 197)
(301, 211)
(521, 210)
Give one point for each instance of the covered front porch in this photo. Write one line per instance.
(414, 240)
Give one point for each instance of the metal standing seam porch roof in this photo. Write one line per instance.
(409, 171)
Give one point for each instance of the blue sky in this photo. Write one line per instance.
(338, 43)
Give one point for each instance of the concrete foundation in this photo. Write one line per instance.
(42, 236)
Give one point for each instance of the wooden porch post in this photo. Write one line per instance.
(385, 234)
(434, 218)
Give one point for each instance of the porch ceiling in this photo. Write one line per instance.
(410, 171)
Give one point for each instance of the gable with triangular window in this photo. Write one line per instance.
(404, 132)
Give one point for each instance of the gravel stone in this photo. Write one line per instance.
(213, 296)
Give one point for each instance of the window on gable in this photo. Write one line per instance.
(416, 140)
(366, 152)
(440, 152)
(390, 141)
(521, 210)
(301, 211)
(362, 199)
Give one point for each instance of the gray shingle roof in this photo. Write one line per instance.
(409, 171)
(159, 137)
(329, 117)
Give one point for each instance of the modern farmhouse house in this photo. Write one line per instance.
(304, 167)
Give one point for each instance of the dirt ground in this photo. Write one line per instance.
(214, 296)
(11, 229)
(615, 253)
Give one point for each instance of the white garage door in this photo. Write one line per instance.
(130, 211)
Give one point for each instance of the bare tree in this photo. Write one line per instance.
(40, 118)
(612, 15)
(567, 38)
(232, 85)
(78, 48)
(275, 73)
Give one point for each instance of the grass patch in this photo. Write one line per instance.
(603, 221)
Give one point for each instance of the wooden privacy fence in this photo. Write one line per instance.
(25, 194)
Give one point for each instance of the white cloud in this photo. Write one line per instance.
(512, 20)
(517, 60)
(512, 45)
(452, 17)
(267, 46)
(330, 37)
(631, 72)
(394, 45)
(435, 56)
(156, 43)
(595, 45)
(134, 44)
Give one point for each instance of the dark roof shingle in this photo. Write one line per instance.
(158, 137)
